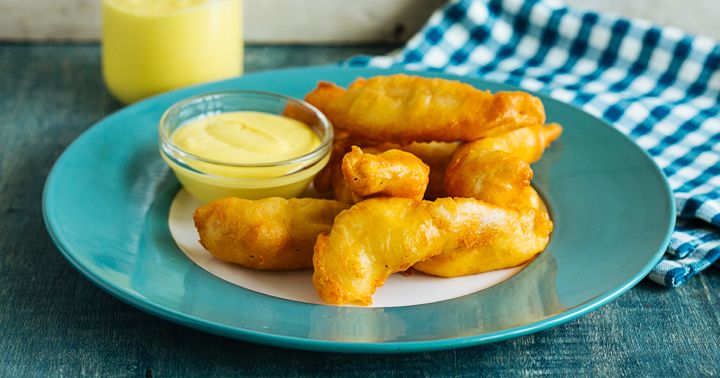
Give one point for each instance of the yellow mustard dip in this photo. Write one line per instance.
(246, 138)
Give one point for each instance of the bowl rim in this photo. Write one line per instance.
(170, 149)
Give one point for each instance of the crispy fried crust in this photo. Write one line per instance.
(272, 233)
(533, 220)
(527, 144)
(436, 155)
(380, 236)
(392, 173)
(497, 169)
(496, 177)
(404, 109)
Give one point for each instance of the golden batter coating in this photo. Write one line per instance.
(404, 109)
(269, 234)
(436, 155)
(497, 169)
(466, 260)
(527, 143)
(496, 177)
(392, 173)
(381, 236)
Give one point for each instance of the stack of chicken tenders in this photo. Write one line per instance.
(427, 173)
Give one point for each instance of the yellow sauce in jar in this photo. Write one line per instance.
(152, 46)
(246, 138)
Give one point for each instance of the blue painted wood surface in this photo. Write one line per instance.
(53, 322)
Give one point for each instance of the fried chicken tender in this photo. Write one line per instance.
(497, 169)
(392, 173)
(269, 234)
(496, 177)
(436, 155)
(532, 218)
(381, 236)
(527, 144)
(404, 109)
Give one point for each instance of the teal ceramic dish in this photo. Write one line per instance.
(106, 204)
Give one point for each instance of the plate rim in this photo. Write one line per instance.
(312, 344)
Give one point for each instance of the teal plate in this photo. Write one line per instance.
(106, 203)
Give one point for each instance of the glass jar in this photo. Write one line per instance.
(152, 46)
(208, 179)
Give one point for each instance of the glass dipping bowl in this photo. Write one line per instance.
(208, 179)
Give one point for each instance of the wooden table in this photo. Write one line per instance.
(54, 322)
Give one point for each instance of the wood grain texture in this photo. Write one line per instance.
(54, 322)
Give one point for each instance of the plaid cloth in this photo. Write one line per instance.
(656, 84)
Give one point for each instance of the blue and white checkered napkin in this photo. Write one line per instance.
(656, 84)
